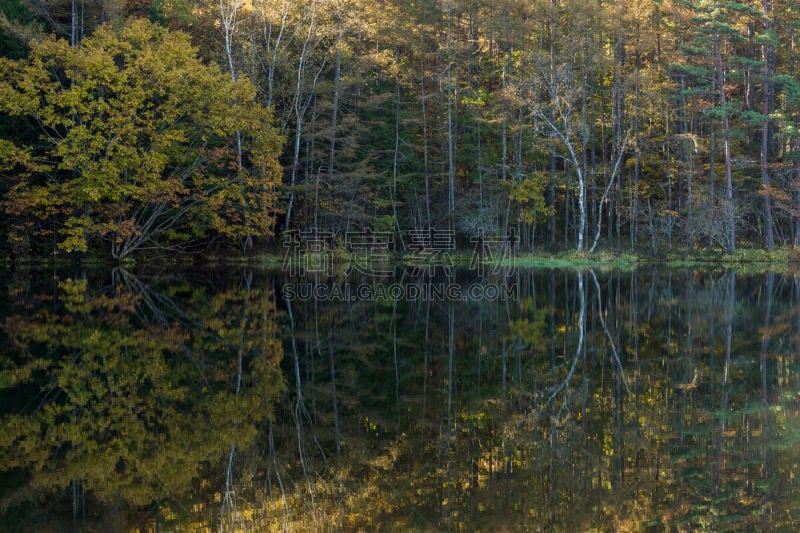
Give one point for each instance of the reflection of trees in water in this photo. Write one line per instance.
(618, 401)
(124, 395)
(609, 400)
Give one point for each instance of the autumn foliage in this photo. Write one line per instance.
(134, 144)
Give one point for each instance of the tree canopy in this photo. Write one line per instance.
(644, 126)
(131, 141)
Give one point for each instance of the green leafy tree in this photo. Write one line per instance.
(528, 196)
(137, 144)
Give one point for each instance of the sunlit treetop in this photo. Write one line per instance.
(137, 143)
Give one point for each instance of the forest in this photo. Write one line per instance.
(193, 125)
(207, 389)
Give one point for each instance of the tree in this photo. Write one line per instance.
(528, 195)
(137, 144)
(564, 128)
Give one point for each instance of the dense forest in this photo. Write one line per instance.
(631, 126)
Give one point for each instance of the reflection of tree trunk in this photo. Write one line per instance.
(552, 318)
(78, 505)
(336, 430)
(248, 283)
(765, 337)
(299, 409)
(690, 299)
(635, 317)
(228, 512)
(581, 335)
(396, 368)
(797, 327)
(277, 468)
(479, 354)
(766, 414)
(229, 509)
(425, 373)
(161, 307)
(612, 345)
(504, 386)
(728, 318)
(451, 350)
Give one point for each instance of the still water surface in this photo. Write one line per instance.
(203, 400)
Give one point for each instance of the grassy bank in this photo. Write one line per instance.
(577, 259)
(464, 260)
(742, 257)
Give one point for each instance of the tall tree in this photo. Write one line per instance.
(138, 144)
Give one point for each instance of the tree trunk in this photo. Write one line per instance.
(766, 54)
(451, 167)
(337, 82)
(731, 229)
(426, 169)
(299, 112)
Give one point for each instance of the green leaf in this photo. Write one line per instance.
(767, 37)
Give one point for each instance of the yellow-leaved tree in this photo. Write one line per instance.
(133, 144)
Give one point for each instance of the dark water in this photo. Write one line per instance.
(654, 400)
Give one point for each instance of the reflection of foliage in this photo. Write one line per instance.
(485, 451)
(428, 417)
(133, 408)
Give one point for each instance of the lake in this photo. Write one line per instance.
(248, 399)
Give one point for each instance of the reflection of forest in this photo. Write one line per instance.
(616, 401)
(117, 396)
(575, 408)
